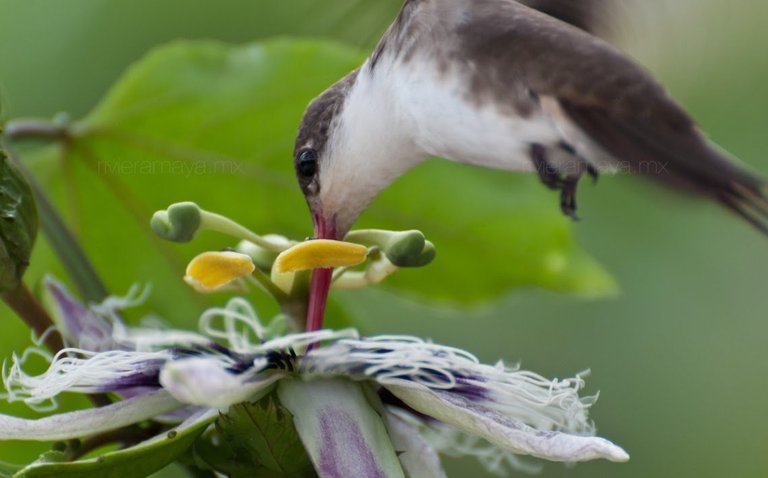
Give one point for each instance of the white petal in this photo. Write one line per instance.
(88, 422)
(447, 440)
(398, 360)
(505, 432)
(81, 371)
(206, 381)
(342, 433)
(417, 456)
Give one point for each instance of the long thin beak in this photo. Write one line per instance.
(321, 278)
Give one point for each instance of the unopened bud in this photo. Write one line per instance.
(403, 249)
(179, 223)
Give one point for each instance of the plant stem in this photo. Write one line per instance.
(32, 313)
(66, 247)
(225, 225)
(61, 239)
(68, 250)
(35, 128)
(266, 284)
(296, 313)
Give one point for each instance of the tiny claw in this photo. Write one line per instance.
(548, 174)
(593, 173)
(568, 198)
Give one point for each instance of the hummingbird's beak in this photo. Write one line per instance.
(321, 278)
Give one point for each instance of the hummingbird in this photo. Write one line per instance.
(498, 84)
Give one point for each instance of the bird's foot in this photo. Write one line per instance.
(548, 174)
(568, 197)
(551, 177)
(593, 173)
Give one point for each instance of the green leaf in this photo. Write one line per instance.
(138, 461)
(52, 456)
(18, 224)
(7, 470)
(213, 123)
(262, 435)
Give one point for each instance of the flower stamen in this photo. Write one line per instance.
(211, 271)
(320, 254)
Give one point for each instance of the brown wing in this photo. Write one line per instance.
(612, 99)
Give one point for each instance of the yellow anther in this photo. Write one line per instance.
(213, 270)
(320, 254)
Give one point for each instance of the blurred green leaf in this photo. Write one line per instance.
(493, 231)
(18, 224)
(138, 461)
(214, 124)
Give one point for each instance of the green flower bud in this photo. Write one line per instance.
(403, 249)
(18, 224)
(427, 256)
(179, 223)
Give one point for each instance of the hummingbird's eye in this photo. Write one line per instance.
(307, 164)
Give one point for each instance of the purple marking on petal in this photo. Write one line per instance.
(389, 398)
(80, 323)
(220, 348)
(136, 391)
(145, 375)
(468, 387)
(240, 363)
(72, 311)
(344, 437)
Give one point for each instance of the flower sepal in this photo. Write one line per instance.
(342, 433)
(137, 461)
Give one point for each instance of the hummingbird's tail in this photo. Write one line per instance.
(722, 179)
(714, 173)
(748, 200)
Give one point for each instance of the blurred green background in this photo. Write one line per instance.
(678, 356)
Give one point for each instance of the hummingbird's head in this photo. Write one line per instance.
(347, 151)
(349, 148)
(316, 159)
